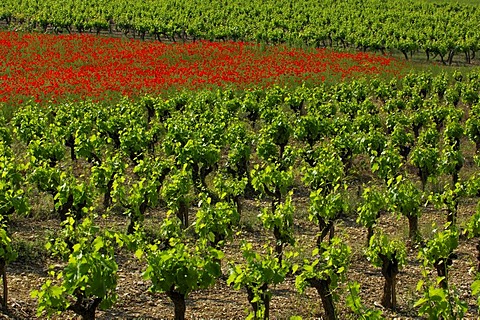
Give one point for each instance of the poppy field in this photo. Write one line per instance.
(49, 68)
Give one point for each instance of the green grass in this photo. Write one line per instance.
(437, 68)
(30, 251)
(418, 63)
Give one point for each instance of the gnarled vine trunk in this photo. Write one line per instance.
(265, 299)
(182, 214)
(323, 289)
(85, 308)
(413, 233)
(389, 272)
(478, 256)
(178, 300)
(3, 271)
(441, 265)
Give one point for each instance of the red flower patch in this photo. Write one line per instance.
(54, 68)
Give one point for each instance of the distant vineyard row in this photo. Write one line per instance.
(435, 30)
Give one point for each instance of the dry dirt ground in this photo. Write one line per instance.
(223, 302)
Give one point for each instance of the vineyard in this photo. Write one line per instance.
(222, 161)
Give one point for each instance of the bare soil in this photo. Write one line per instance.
(223, 302)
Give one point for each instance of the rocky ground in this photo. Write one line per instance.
(222, 301)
